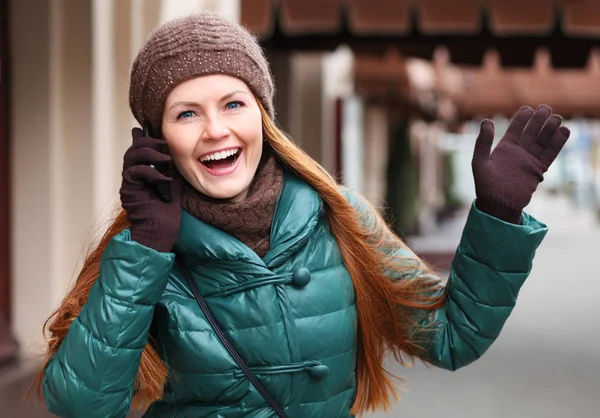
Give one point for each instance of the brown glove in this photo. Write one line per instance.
(154, 222)
(506, 179)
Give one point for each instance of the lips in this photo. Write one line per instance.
(221, 162)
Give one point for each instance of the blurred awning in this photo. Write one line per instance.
(491, 90)
(448, 92)
(384, 78)
(396, 80)
(568, 29)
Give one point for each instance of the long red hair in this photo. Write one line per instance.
(390, 297)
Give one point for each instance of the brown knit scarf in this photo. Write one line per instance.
(248, 221)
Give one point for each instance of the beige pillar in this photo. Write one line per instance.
(51, 137)
(337, 82)
(353, 144)
(375, 154)
(71, 147)
(31, 186)
(306, 107)
(231, 9)
(425, 135)
(170, 9)
(125, 18)
(280, 62)
(105, 169)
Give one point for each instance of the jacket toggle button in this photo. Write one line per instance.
(301, 277)
(319, 372)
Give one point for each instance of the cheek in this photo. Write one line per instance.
(177, 154)
(176, 140)
(180, 152)
(254, 144)
(252, 132)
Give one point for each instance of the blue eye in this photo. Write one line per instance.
(234, 105)
(186, 115)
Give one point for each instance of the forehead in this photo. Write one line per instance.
(207, 86)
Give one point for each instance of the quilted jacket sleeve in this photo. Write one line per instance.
(490, 265)
(93, 371)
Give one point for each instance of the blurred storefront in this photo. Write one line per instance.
(65, 126)
(421, 68)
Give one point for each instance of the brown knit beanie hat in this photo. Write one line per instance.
(192, 46)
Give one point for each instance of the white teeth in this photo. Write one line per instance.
(220, 155)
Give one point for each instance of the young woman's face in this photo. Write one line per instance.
(213, 127)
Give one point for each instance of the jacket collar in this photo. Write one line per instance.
(296, 216)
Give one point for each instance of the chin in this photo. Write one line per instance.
(224, 193)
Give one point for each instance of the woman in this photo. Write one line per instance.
(306, 280)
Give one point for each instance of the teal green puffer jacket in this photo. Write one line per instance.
(291, 315)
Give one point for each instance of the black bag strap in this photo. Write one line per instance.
(223, 338)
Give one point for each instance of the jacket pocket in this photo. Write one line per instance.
(311, 367)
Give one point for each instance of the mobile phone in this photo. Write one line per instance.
(162, 190)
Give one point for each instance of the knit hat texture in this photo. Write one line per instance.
(188, 47)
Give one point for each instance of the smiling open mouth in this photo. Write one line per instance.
(221, 160)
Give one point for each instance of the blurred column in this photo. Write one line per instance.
(30, 154)
(137, 33)
(144, 16)
(375, 154)
(105, 169)
(280, 62)
(71, 135)
(231, 9)
(429, 165)
(129, 33)
(337, 83)
(170, 9)
(306, 108)
(352, 143)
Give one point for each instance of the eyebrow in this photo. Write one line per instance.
(195, 104)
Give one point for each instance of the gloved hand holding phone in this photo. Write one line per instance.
(151, 192)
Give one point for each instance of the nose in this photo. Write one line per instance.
(215, 128)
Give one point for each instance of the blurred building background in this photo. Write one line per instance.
(387, 95)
